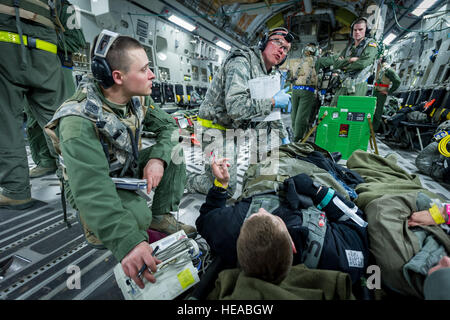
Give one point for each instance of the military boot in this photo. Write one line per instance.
(90, 237)
(39, 171)
(12, 204)
(166, 223)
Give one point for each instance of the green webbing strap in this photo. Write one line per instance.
(19, 29)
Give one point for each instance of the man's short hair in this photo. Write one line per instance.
(264, 249)
(117, 56)
(358, 21)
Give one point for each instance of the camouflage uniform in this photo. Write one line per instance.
(118, 218)
(303, 95)
(28, 76)
(385, 76)
(228, 105)
(354, 82)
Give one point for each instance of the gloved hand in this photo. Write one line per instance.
(289, 107)
(285, 140)
(305, 185)
(281, 98)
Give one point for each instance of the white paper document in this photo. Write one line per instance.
(264, 87)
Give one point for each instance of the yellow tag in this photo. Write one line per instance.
(186, 279)
(372, 44)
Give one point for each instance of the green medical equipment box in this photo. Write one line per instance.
(345, 128)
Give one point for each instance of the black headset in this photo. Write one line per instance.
(359, 19)
(275, 31)
(99, 66)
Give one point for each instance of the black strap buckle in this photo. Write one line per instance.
(31, 42)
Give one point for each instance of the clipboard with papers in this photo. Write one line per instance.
(265, 88)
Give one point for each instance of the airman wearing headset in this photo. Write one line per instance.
(97, 133)
(355, 61)
(229, 104)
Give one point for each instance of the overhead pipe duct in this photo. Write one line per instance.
(320, 11)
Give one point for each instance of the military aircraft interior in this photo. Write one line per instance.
(44, 254)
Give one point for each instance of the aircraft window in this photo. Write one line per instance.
(204, 75)
(161, 48)
(195, 73)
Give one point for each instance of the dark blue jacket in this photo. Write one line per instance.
(220, 226)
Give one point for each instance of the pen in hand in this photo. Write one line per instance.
(145, 266)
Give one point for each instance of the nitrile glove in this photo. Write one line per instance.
(281, 98)
(289, 107)
(285, 140)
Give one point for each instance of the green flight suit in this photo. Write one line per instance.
(356, 73)
(303, 95)
(385, 76)
(301, 283)
(30, 77)
(39, 149)
(388, 197)
(119, 218)
(68, 42)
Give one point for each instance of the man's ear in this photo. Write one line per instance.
(118, 77)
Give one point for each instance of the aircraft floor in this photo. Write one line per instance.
(41, 249)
